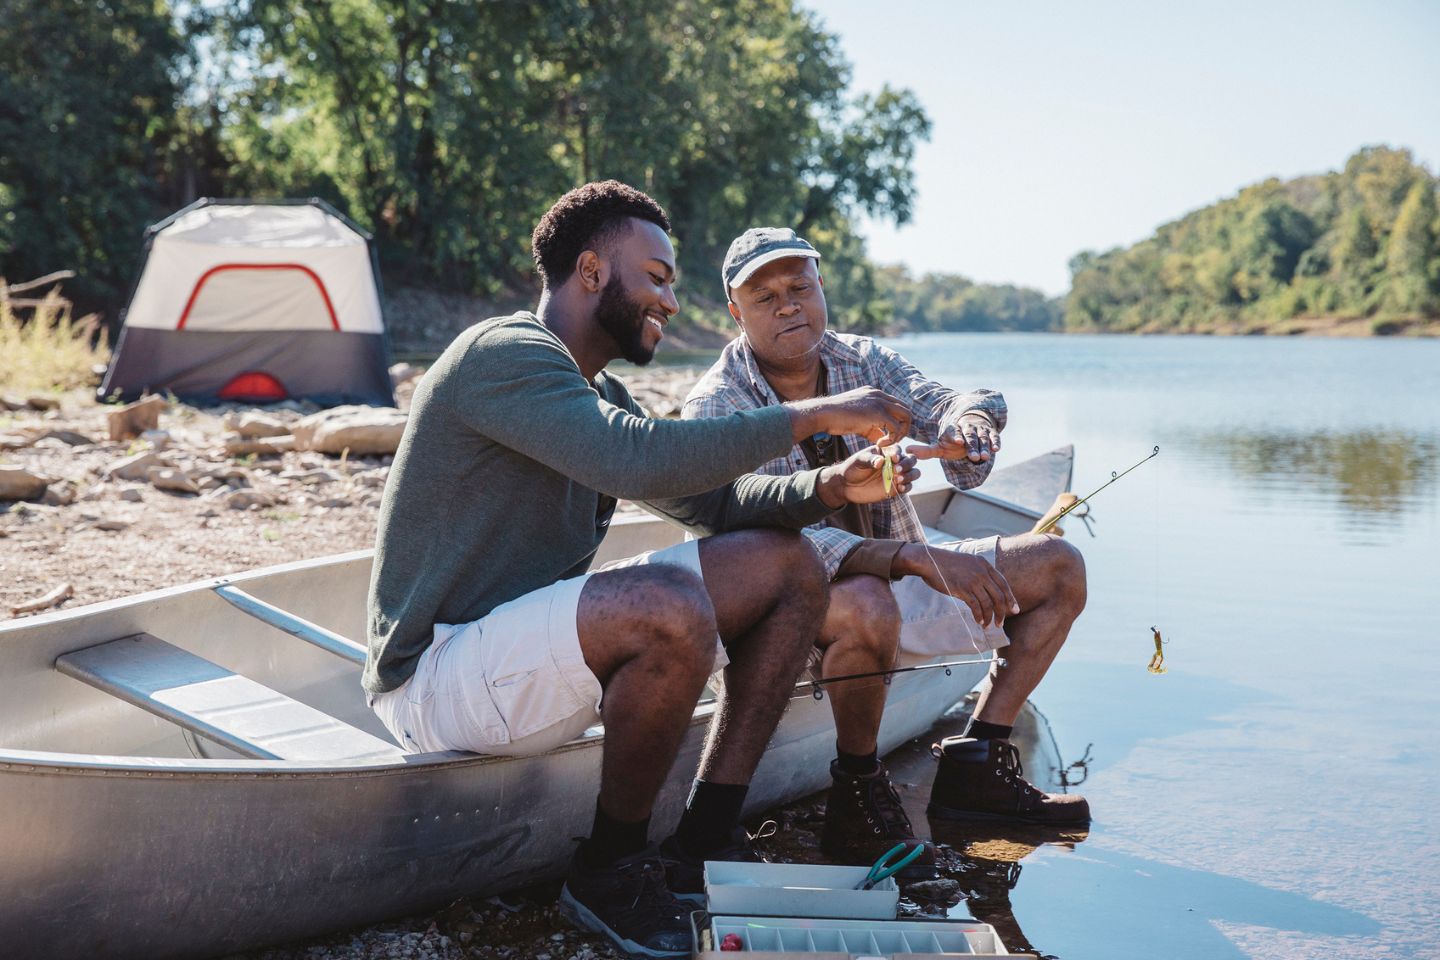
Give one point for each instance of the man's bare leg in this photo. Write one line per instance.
(770, 594)
(860, 635)
(1047, 576)
(863, 815)
(648, 635)
(980, 777)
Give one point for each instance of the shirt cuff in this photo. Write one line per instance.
(874, 557)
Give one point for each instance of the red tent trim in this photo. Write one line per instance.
(319, 284)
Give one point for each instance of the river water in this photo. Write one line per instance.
(1274, 794)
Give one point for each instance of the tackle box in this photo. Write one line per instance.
(797, 890)
(782, 938)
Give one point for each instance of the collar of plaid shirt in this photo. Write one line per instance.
(844, 370)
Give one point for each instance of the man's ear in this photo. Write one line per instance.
(591, 270)
(821, 277)
(735, 312)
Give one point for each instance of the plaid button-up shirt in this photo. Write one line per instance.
(735, 383)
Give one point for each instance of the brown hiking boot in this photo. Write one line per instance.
(982, 780)
(864, 820)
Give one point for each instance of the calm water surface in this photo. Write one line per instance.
(1273, 794)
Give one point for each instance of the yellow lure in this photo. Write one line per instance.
(887, 472)
(1157, 662)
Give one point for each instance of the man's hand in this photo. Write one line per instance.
(964, 576)
(860, 478)
(867, 412)
(974, 437)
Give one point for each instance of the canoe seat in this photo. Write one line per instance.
(208, 700)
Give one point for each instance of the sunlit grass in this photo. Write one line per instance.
(48, 350)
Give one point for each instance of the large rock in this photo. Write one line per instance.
(263, 447)
(176, 481)
(253, 426)
(249, 500)
(135, 467)
(17, 483)
(364, 431)
(68, 437)
(134, 419)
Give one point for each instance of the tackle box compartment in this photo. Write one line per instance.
(797, 890)
(782, 938)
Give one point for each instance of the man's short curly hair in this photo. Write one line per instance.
(587, 218)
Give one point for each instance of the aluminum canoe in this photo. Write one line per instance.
(164, 832)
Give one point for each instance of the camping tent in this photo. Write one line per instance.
(254, 301)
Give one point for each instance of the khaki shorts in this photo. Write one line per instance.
(514, 682)
(934, 624)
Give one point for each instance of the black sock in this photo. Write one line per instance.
(857, 764)
(981, 730)
(711, 815)
(612, 839)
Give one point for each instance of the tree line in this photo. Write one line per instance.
(444, 128)
(1362, 242)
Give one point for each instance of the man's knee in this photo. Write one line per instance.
(792, 567)
(658, 612)
(1044, 568)
(863, 607)
(1067, 571)
(680, 610)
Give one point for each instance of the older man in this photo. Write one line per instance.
(889, 589)
(489, 633)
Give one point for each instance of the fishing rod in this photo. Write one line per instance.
(1113, 477)
(818, 686)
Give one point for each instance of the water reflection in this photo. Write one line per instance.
(985, 861)
(1374, 473)
(980, 863)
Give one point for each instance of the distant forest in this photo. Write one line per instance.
(1360, 243)
(446, 129)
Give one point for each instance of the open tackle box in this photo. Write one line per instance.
(775, 911)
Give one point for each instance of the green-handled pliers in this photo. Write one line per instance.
(883, 868)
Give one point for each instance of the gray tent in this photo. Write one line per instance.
(255, 301)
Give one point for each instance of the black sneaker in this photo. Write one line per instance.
(685, 875)
(629, 902)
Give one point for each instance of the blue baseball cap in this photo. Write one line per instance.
(758, 246)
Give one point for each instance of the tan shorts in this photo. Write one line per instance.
(514, 682)
(934, 625)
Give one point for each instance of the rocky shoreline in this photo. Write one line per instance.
(116, 501)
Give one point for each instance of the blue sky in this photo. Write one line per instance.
(1060, 127)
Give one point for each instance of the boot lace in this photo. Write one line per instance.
(884, 804)
(1008, 766)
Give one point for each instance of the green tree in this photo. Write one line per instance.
(1410, 254)
(89, 99)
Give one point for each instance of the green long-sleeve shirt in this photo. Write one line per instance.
(508, 472)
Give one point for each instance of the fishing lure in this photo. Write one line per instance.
(887, 472)
(1157, 662)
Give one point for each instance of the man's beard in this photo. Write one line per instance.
(624, 319)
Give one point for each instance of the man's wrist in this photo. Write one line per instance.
(803, 421)
(830, 487)
(907, 561)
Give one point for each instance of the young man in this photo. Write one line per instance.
(1024, 591)
(487, 633)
